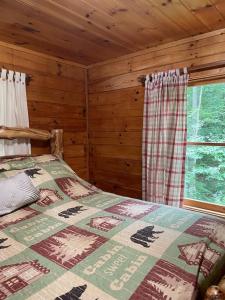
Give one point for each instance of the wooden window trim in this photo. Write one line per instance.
(206, 144)
(204, 207)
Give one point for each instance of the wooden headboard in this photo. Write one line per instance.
(55, 136)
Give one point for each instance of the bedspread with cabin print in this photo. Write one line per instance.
(78, 242)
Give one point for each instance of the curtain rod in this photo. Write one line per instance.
(28, 77)
(193, 69)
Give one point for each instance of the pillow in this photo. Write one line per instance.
(16, 191)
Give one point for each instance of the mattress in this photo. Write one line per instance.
(78, 242)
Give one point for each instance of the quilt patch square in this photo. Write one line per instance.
(166, 281)
(133, 209)
(199, 254)
(211, 228)
(9, 247)
(104, 223)
(148, 238)
(74, 188)
(171, 217)
(56, 169)
(18, 163)
(17, 216)
(69, 246)
(47, 159)
(70, 286)
(115, 268)
(186, 252)
(38, 175)
(16, 277)
(26, 273)
(48, 197)
(101, 201)
(3, 168)
(71, 212)
(33, 230)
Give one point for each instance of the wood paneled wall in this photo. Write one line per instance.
(116, 106)
(56, 99)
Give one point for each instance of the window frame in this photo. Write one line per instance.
(196, 204)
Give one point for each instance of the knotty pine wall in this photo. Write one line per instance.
(56, 99)
(116, 106)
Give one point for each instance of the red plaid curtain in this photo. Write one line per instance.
(164, 137)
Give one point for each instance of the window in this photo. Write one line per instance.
(205, 160)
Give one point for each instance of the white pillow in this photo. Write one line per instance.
(16, 191)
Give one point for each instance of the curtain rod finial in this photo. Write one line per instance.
(141, 79)
(28, 79)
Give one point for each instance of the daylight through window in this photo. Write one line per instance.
(205, 160)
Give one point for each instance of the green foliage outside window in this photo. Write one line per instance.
(205, 165)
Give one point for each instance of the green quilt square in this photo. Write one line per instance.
(115, 268)
(101, 200)
(186, 252)
(173, 218)
(19, 164)
(32, 231)
(27, 273)
(56, 169)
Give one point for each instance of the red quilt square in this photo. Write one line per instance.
(165, 281)
(132, 209)
(69, 246)
(17, 216)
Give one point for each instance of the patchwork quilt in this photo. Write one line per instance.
(78, 242)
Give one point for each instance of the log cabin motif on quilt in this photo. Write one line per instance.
(77, 242)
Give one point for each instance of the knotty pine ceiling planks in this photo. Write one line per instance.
(90, 31)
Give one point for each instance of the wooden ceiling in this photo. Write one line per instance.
(90, 31)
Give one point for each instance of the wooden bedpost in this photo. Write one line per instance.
(57, 142)
(216, 292)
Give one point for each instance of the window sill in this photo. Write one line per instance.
(204, 207)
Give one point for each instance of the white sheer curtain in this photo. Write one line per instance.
(13, 110)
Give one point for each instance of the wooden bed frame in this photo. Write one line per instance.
(216, 292)
(55, 136)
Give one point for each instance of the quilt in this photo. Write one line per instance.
(78, 242)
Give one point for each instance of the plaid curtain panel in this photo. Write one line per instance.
(164, 137)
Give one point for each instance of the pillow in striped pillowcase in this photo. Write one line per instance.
(16, 191)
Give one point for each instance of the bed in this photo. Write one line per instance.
(78, 242)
